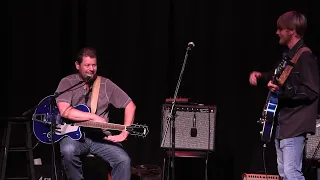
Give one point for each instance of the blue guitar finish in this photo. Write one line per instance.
(268, 116)
(42, 120)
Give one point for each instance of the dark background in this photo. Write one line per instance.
(141, 47)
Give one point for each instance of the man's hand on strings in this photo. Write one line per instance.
(272, 87)
(118, 138)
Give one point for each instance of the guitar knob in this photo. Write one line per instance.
(262, 120)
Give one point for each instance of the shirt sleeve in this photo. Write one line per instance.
(117, 97)
(66, 96)
(267, 76)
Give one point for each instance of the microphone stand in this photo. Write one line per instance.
(52, 118)
(172, 114)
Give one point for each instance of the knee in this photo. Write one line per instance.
(125, 159)
(67, 152)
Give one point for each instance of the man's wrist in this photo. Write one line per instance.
(125, 133)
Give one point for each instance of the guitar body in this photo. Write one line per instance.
(269, 111)
(42, 123)
(268, 117)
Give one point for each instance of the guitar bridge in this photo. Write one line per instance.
(39, 117)
(45, 118)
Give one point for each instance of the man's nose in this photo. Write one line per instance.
(91, 68)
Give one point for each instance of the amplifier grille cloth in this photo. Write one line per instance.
(312, 143)
(184, 123)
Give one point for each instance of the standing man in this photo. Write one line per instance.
(298, 99)
(94, 141)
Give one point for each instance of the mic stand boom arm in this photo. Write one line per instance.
(172, 114)
(51, 99)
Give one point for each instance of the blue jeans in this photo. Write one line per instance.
(72, 150)
(289, 157)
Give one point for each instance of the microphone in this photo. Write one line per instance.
(191, 45)
(193, 131)
(88, 77)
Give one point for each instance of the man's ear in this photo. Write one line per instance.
(294, 33)
(77, 65)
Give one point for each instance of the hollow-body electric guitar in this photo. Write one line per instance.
(269, 111)
(46, 115)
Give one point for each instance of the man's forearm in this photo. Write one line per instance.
(77, 115)
(267, 76)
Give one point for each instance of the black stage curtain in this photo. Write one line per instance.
(141, 47)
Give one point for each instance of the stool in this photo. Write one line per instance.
(92, 157)
(25, 149)
(108, 168)
(182, 154)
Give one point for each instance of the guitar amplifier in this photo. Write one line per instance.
(246, 176)
(194, 127)
(312, 147)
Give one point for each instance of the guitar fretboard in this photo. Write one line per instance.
(101, 125)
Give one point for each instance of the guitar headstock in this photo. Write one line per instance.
(138, 130)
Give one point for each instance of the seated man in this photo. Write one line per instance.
(94, 141)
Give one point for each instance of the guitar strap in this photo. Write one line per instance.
(288, 68)
(95, 94)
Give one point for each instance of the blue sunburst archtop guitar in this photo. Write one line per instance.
(269, 111)
(44, 115)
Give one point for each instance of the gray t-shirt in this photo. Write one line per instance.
(109, 93)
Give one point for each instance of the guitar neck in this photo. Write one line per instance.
(101, 125)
